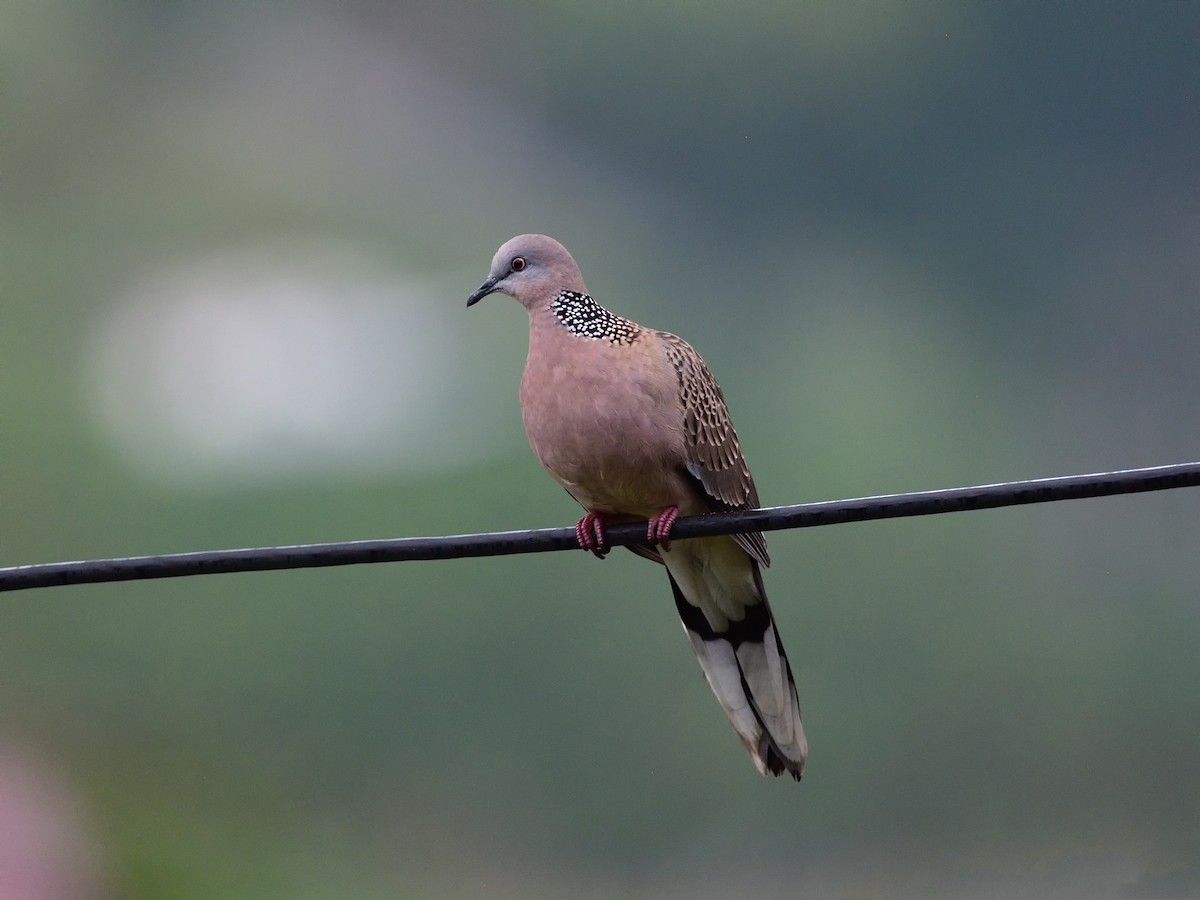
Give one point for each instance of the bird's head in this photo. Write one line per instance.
(533, 269)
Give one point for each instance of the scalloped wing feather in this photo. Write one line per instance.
(714, 455)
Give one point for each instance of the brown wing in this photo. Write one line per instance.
(714, 456)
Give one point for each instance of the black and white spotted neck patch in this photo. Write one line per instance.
(586, 318)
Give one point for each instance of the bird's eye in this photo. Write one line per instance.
(518, 263)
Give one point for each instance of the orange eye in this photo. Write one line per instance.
(517, 264)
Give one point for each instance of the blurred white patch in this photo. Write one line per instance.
(277, 362)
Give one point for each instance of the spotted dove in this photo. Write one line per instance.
(632, 423)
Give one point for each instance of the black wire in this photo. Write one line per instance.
(804, 515)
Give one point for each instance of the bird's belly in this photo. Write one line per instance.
(613, 453)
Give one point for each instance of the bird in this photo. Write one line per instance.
(631, 422)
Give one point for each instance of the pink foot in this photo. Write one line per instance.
(658, 531)
(590, 534)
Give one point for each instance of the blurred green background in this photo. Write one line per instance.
(922, 245)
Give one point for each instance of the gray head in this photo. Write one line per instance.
(532, 268)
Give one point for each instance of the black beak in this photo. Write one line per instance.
(486, 288)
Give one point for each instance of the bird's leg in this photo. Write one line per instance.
(590, 534)
(658, 530)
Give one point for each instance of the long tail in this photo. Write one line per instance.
(719, 594)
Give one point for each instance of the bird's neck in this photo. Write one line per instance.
(583, 317)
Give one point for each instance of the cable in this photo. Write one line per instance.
(804, 515)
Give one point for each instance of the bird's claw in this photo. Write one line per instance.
(658, 529)
(590, 535)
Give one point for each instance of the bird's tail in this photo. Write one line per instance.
(719, 594)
